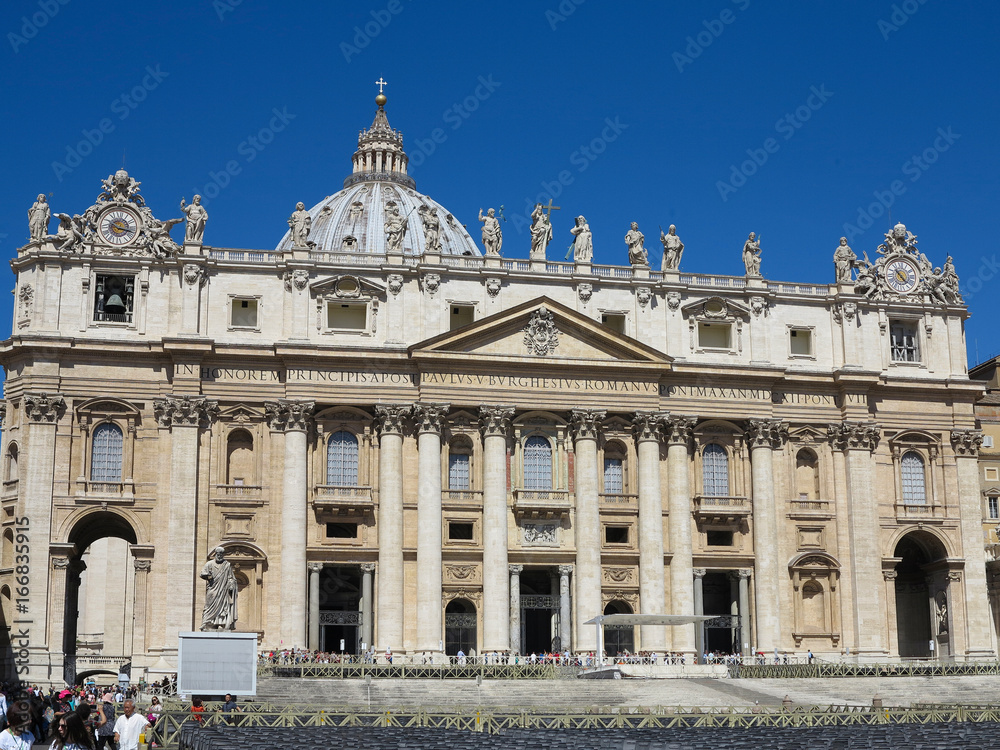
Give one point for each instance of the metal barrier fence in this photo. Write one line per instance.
(424, 671)
(844, 669)
(167, 731)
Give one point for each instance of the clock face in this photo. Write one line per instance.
(901, 275)
(119, 226)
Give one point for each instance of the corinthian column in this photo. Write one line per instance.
(495, 422)
(586, 424)
(678, 432)
(391, 423)
(293, 419)
(182, 416)
(647, 430)
(858, 440)
(966, 444)
(430, 629)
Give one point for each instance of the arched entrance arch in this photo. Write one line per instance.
(460, 627)
(618, 638)
(921, 596)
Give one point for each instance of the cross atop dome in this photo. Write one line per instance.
(380, 100)
(380, 154)
(380, 83)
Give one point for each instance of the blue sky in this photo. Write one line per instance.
(796, 120)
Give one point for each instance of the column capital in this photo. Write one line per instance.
(853, 435)
(678, 430)
(741, 573)
(316, 567)
(184, 411)
(647, 426)
(60, 563)
(967, 442)
(515, 570)
(367, 567)
(429, 417)
(587, 423)
(142, 564)
(565, 570)
(495, 420)
(889, 575)
(287, 415)
(390, 419)
(766, 433)
(698, 572)
(43, 407)
(3, 412)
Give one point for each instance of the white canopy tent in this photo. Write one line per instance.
(601, 620)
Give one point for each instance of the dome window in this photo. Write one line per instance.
(349, 245)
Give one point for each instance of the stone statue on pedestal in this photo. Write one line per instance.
(673, 248)
(843, 261)
(38, 218)
(583, 245)
(301, 224)
(432, 229)
(395, 230)
(220, 594)
(751, 255)
(541, 233)
(197, 217)
(492, 235)
(636, 249)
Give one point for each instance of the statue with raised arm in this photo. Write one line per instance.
(38, 218)
(583, 245)
(673, 248)
(751, 255)
(843, 261)
(220, 593)
(197, 217)
(636, 250)
(432, 229)
(541, 233)
(395, 229)
(70, 235)
(300, 223)
(492, 235)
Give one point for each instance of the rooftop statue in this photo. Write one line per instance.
(301, 224)
(541, 232)
(843, 261)
(38, 218)
(197, 217)
(673, 248)
(636, 250)
(751, 255)
(432, 228)
(492, 235)
(583, 245)
(120, 188)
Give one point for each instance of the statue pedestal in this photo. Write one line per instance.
(537, 265)
(192, 248)
(216, 663)
(640, 272)
(756, 282)
(672, 276)
(491, 261)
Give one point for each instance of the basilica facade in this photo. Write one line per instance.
(408, 441)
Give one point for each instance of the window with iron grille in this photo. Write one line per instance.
(903, 342)
(537, 463)
(342, 459)
(912, 469)
(614, 476)
(715, 471)
(458, 471)
(106, 453)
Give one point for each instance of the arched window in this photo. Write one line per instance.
(912, 469)
(239, 449)
(459, 463)
(12, 471)
(806, 475)
(614, 469)
(106, 453)
(537, 463)
(715, 471)
(342, 459)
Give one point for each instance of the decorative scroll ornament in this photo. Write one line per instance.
(769, 433)
(462, 572)
(540, 335)
(194, 274)
(395, 284)
(759, 305)
(184, 410)
(967, 442)
(618, 575)
(432, 282)
(643, 294)
(297, 279)
(41, 407)
(391, 418)
(493, 285)
(586, 291)
(854, 435)
(673, 300)
(286, 414)
(495, 420)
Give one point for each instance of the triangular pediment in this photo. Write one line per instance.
(542, 330)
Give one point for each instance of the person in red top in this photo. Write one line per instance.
(197, 710)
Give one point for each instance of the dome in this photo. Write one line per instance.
(379, 191)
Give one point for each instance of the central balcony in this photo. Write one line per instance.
(919, 512)
(721, 509)
(541, 503)
(337, 500)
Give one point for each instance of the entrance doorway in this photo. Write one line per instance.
(618, 639)
(721, 598)
(922, 596)
(539, 611)
(340, 610)
(459, 627)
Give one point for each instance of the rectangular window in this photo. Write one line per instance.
(987, 441)
(341, 531)
(461, 315)
(717, 538)
(458, 471)
(800, 342)
(614, 321)
(113, 298)
(991, 475)
(460, 532)
(244, 313)
(616, 534)
(994, 507)
(714, 335)
(614, 479)
(903, 342)
(347, 316)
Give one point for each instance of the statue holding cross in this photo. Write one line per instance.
(541, 229)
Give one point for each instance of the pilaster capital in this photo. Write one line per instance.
(43, 407)
(495, 420)
(391, 418)
(587, 423)
(368, 567)
(678, 430)
(565, 570)
(647, 426)
(741, 574)
(967, 442)
(889, 575)
(766, 433)
(429, 417)
(60, 563)
(854, 435)
(142, 565)
(698, 572)
(316, 567)
(3, 413)
(286, 415)
(186, 411)
(515, 570)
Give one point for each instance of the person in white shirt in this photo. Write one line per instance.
(17, 736)
(128, 727)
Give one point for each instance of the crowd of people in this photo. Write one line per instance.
(294, 657)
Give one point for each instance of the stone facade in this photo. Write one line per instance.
(423, 449)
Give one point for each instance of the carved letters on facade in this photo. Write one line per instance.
(541, 336)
